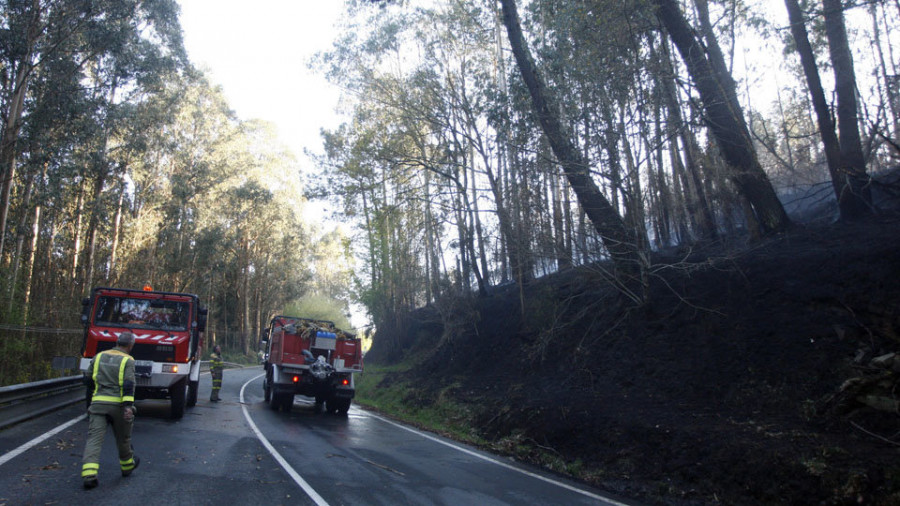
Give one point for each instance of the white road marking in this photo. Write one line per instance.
(38, 440)
(287, 467)
(605, 500)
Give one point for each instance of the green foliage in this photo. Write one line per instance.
(319, 307)
(379, 388)
(142, 174)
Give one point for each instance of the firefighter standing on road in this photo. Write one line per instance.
(112, 379)
(215, 369)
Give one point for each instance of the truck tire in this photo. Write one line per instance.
(320, 404)
(337, 406)
(179, 398)
(267, 391)
(193, 387)
(287, 402)
(275, 401)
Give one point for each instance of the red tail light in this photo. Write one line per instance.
(296, 379)
(345, 382)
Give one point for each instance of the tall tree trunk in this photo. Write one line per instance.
(891, 80)
(29, 264)
(663, 191)
(619, 241)
(563, 256)
(245, 291)
(726, 122)
(20, 240)
(698, 206)
(432, 290)
(479, 233)
(76, 239)
(850, 202)
(856, 195)
(8, 150)
(12, 126)
(117, 231)
(93, 226)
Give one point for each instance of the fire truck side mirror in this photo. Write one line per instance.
(201, 319)
(85, 310)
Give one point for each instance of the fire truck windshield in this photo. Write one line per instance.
(141, 313)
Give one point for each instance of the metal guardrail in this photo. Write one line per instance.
(28, 400)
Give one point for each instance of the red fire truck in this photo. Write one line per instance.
(167, 329)
(311, 358)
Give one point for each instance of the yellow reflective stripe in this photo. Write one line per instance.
(126, 462)
(96, 368)
(128, 398)
(122, 365)
(89, 470)
(107, 398)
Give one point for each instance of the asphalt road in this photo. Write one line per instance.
(235, 452)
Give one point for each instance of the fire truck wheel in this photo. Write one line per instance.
(287, 402)
(267, 392)
(337, 406)
(320, 405)
(275, 401)
(193, 387)
(179, 399)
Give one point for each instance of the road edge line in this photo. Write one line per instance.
(278, 458)
(38, 440)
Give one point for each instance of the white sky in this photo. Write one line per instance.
(258, 52)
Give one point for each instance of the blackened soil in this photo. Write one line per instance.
(729, 386)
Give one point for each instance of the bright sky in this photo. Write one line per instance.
(258, 52)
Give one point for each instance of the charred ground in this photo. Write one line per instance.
(742, 380)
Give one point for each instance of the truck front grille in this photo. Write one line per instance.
(145, 351)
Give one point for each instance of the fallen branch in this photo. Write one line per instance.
(886, 440)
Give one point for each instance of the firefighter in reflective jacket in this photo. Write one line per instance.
(215, 369)
(112, 379)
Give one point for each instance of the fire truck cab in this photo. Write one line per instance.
(167, 328)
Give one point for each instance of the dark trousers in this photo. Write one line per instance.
(216, 384)
(99, 416)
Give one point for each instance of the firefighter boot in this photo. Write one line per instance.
(129, 468)
(90, 483)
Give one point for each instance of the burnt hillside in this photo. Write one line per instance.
(753, 376)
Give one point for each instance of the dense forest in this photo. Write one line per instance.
(486, 144)
(493, 143)
(122, 165)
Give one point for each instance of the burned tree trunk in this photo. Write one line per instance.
(618, 239)
(726, 122)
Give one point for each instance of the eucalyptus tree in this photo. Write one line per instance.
(187, 143)
(128, 38)
(618, 239)
(407, 157)
(366, 168)
(843, 154)
(724, 117)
